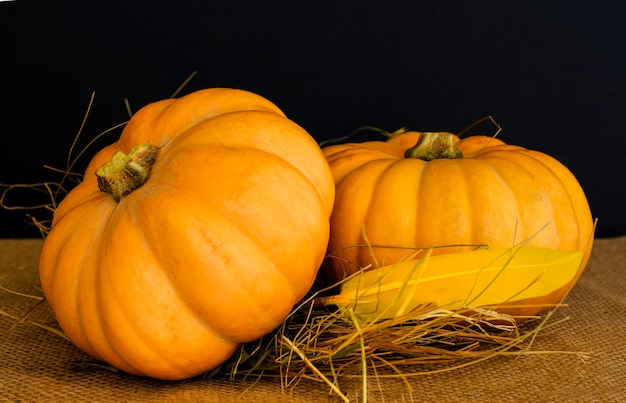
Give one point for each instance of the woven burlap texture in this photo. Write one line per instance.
(38, 365)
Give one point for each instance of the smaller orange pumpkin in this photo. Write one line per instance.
(422, 190)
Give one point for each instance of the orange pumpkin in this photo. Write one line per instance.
(421, 190)
(198, 230)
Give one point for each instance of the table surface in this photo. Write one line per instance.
(580, 358)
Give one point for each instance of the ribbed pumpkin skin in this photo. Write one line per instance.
(212, 251)
(497, 194)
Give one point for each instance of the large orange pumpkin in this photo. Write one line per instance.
(198, 230)
(422, 190)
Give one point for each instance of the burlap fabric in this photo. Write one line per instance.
(38, 365)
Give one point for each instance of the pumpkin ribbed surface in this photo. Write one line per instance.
(214, 249)
(495, 194)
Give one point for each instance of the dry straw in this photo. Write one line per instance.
(325, 343)
(330, 344)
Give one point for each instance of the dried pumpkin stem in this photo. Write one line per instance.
(126, 172)
(434, 145)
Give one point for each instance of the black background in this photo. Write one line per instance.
(551, 73)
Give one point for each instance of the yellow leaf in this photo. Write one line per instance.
(452, 281)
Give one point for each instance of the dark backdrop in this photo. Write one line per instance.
(550, 72)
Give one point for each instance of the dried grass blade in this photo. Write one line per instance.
(319, 373)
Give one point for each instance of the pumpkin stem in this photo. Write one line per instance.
(126, 172)
(434, 145)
